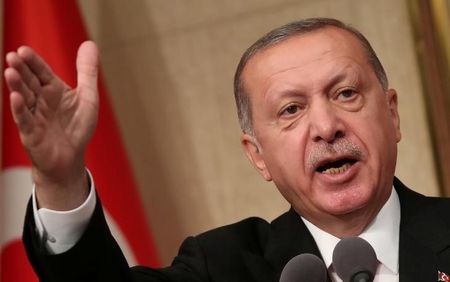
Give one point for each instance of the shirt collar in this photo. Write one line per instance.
(382, 234)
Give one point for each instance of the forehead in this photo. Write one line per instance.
(311, 56)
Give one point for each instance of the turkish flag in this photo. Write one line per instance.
(55, 30)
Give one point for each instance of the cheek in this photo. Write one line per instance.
(378, 136)
(375, 125)
(383, 134)
(286, 160)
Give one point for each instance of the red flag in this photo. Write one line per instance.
(55, 30)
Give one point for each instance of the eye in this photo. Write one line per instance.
(349, 99)
(291, 110)
(346, 94)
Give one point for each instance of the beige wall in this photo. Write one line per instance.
(169, 67)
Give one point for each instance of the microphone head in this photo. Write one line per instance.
(354, 256)
(304, 267)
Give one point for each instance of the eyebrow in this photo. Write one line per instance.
(336, 79)
(346, 72)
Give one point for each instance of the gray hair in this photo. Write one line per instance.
(281, 34)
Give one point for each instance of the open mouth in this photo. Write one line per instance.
(336, 167)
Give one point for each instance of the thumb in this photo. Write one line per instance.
(87, 66)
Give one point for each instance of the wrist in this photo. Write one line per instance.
(63, 193)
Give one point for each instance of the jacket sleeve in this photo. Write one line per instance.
(97, 257)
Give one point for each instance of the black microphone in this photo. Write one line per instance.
(355, 260)
(304, 267)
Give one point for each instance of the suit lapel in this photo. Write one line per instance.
(424, 237)
(288, 237)
(424, 240)
(416, 262)
(259, 268)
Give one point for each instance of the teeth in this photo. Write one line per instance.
(337, 170)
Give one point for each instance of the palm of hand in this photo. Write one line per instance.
(55, 122)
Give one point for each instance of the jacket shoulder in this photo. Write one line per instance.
(248, 234)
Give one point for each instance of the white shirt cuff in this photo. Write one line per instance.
(61, 230)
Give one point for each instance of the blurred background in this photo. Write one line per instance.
(169, 66)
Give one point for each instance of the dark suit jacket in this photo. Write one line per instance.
(250, 250)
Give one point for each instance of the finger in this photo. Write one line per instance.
(21, 114)
(29, 78)
(37, 65)
(87, 67)
(15, 84)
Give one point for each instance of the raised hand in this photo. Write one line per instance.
(55, 122)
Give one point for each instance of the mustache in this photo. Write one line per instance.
(341, 147)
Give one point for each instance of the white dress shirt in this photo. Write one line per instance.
(61, 230)
(383, 234)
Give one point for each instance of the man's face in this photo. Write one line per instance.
(325, 131)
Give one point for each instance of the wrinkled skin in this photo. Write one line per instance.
(316, 101)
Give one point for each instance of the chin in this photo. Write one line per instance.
(343, 210)
(346, 203)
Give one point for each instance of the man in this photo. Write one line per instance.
(318, 120)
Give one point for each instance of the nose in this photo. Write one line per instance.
(325, 122)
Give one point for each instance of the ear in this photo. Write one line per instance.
(253, 151)
(391, 96)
